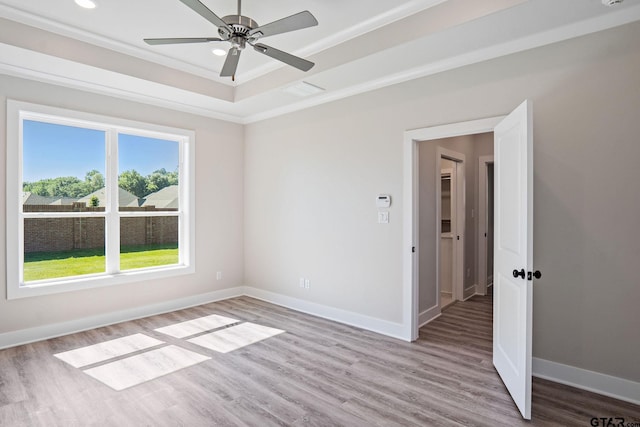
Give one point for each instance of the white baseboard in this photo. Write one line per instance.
(428, 315)
(469, 292)
(607, 385)
(618, 388)
(39, 333)
(391, 329)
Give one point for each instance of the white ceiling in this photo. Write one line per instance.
(359, 45)
(123, 24)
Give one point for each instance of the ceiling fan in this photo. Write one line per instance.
(241, 30)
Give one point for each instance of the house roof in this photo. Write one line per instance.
(28, 198)
(124, 198)
(164, 198)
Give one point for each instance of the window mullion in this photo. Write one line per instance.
(112, 226)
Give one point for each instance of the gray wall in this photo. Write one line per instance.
(311, 178)
(219, 211)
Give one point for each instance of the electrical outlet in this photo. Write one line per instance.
(302, 282)
(306, 283)
(219, 275)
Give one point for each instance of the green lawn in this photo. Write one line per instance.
(50, 265)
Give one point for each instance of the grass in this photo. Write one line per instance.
(51, 265)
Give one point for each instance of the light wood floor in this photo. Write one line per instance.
(318, 373)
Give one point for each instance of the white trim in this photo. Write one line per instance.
(483, 222)
(458, 220)
(28, 64)
(32, 65)
(401, 11)
(384, 327)
(555, 35)
(469, 292)
(39, 333)
(18, 111)
(607, 385)
(410, 209)
(429, 315)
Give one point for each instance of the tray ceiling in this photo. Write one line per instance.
(359, 45)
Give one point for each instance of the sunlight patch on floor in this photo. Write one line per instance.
(144, 367)
(196, 326)
(96, 353)
(235, 337)
(114, 364)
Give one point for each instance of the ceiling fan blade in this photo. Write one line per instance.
(287, 58)
(206, 13)
(290, 23)
(182, 40)
(231, 63)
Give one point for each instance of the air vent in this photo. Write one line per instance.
(611, 2)
(303, 89)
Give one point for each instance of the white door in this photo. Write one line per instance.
(513, 253)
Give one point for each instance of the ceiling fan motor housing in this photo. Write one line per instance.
(241, 25)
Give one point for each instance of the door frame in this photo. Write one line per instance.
(458, 228)
(411, 243)
(483, 222)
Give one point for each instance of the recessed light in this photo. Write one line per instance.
(87, 4)
(219, 52)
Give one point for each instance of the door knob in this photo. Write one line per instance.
(517, 273)
(535, 274)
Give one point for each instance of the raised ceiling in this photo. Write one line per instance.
(359, 45)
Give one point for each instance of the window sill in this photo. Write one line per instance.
(49, 287)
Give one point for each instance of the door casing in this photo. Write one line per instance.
(458, 228)
(411, 244)
(483, 223)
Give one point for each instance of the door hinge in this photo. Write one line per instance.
(413, 249)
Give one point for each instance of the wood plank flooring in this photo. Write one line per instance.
(318, 373)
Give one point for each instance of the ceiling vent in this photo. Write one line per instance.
(303, 89)
(611, 2)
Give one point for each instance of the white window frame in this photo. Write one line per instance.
(18, 111)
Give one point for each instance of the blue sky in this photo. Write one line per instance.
(51, 150)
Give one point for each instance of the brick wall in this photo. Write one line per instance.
(65, 234)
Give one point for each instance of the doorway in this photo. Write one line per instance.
(450, 222)
(485, 224)
(513, 234)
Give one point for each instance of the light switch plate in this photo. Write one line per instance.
(383, 217)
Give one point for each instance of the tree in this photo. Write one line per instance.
(94, 202)
(66, 186)
(133, 182)
(63, 186)
(94, 181)
(159, 179)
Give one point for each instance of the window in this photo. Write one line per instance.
(94, 201)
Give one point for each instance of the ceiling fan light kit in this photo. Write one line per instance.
(241, 30)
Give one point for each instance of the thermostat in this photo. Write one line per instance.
(383, 200)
